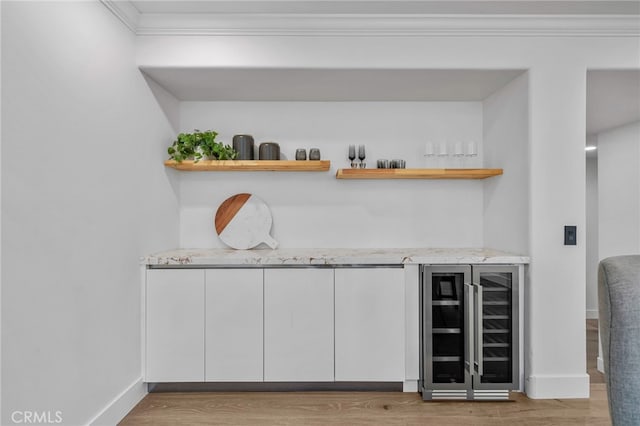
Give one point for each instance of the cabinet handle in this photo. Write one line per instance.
(469, 361)
(479, 331)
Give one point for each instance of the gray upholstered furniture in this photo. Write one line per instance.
(619, 300)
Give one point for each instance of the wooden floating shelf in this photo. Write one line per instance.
(250, 165)
(417, 173)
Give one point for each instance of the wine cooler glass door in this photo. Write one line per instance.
(496, 334)
(445, 347)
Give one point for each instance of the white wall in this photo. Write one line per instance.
(1, 316)
(619, 191)
(315, 209)
(84, 195)
(592, 236)
(557, 103)
(506, 142)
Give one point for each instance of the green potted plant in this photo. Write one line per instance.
(199, 145)
(216, 150)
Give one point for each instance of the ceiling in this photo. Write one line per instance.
(483, 7)
(467, 18)
(263, 84)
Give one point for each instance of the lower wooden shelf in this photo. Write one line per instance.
(417, 173)
(324, 165)
(250, 165)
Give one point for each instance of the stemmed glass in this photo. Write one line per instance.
(458, 154)
(443, 153)
(361, 156)
(430, 154)
(471, 154)
(352, 156)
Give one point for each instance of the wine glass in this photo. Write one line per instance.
(361, 156)
(458, 154)
(443, 153)
(352, 156)
(430, 153)
(471, 153)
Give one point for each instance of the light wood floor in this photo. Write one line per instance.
(370, 408)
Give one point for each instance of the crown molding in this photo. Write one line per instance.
(372, 25)
(390, 25)
(125, 11)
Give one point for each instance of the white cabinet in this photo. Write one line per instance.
(298, 325)
(233, 325)
(369, 324)
(250, 324)
(175, 325)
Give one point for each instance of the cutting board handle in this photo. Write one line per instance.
(268, 240)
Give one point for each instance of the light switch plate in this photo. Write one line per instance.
(570, 235)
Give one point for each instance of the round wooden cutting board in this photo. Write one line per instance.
(244, 221)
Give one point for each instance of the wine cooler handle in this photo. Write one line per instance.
(469, 358)
(479, 331)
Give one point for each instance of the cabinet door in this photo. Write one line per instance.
(497, 328)
(447, 334)
(369, 329)
(233, 325)
(175, 326)
(298, 325)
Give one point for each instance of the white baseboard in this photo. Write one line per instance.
(600, 364)
(117, 409)
(410, 386)
(551, 386)
(592, 314)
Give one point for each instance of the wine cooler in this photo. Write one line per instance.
(469, 331)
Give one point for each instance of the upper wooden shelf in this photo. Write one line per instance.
(417, 173)
(251, 165)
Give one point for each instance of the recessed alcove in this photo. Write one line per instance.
(394, 113)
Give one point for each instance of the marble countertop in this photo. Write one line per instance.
(332, 256)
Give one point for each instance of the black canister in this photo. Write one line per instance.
(243, 144)
(269, 151)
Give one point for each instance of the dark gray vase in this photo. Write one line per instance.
(269, 151)
(243, 144)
